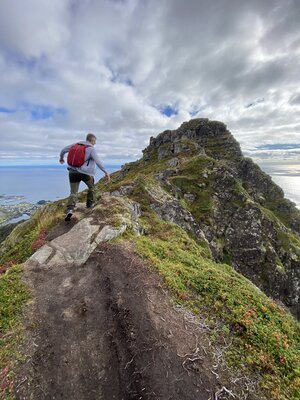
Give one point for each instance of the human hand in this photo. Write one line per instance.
(107, 177)
(62, 161)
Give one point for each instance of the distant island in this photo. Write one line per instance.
(15, 209)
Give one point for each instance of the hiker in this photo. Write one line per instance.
(82, 161)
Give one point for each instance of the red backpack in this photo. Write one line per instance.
(76, 155)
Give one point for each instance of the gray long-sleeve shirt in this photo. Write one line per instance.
(90, 161)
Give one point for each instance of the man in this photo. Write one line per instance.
(85, 172)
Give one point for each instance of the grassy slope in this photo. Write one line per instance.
(265, 337)
(16, 249)
(13, 295)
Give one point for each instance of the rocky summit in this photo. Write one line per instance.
(205, 137)
(182, 282)
(237, 207)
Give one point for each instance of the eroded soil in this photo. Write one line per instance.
(107, 330)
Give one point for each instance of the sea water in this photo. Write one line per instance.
(22, 184)
(287, 176)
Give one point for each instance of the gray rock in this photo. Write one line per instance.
(189, 197)
(41, 255)
(75, 246)
(173, 162)
(170, 209)
(166, 174)
(126, 190)
(182, 146)
(165, 151)
(116, 193)
(108, 233)
(124, 170)
(122, 191)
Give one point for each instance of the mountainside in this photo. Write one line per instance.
(161, 291)
(239, 210)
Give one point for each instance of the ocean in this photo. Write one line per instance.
(287, 176)
(290, 186)
(35, 183)
(20, 184)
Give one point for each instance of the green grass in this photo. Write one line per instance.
(201, 208)
(265, 337)
(287, 239)
(281, 207)
(287, 217)
(16, 249)
(18, 246)
(13, 295)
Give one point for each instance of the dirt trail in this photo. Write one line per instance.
(106, 330)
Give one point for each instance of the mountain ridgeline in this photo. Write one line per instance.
(215, 193)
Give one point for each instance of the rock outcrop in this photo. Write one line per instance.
(76, 245)
(201, 135)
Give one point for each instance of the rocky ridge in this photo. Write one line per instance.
(210, 187)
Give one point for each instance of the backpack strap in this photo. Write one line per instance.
(87, 145)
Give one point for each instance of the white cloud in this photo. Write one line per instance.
(112, 65)
(34, 28)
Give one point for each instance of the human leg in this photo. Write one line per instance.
(74, 179)
(89, 181)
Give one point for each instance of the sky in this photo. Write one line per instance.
(129, 69)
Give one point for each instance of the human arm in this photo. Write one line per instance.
(99, 164)
(63, 152)
(107, 176)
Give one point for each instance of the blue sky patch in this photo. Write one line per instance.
(279, 146)
(7, 110)
(45, 112)
(168, 111)
(36, 112)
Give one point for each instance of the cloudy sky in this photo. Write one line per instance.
(128, 69)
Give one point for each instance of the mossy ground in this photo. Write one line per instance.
(16, 249)
(288, 240)
(18, 246)
(279, 206)
(265, 338)
(13, 294)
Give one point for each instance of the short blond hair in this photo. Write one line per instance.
(90, 136)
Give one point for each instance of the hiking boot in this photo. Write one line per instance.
(69, 214)
(89, 205)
